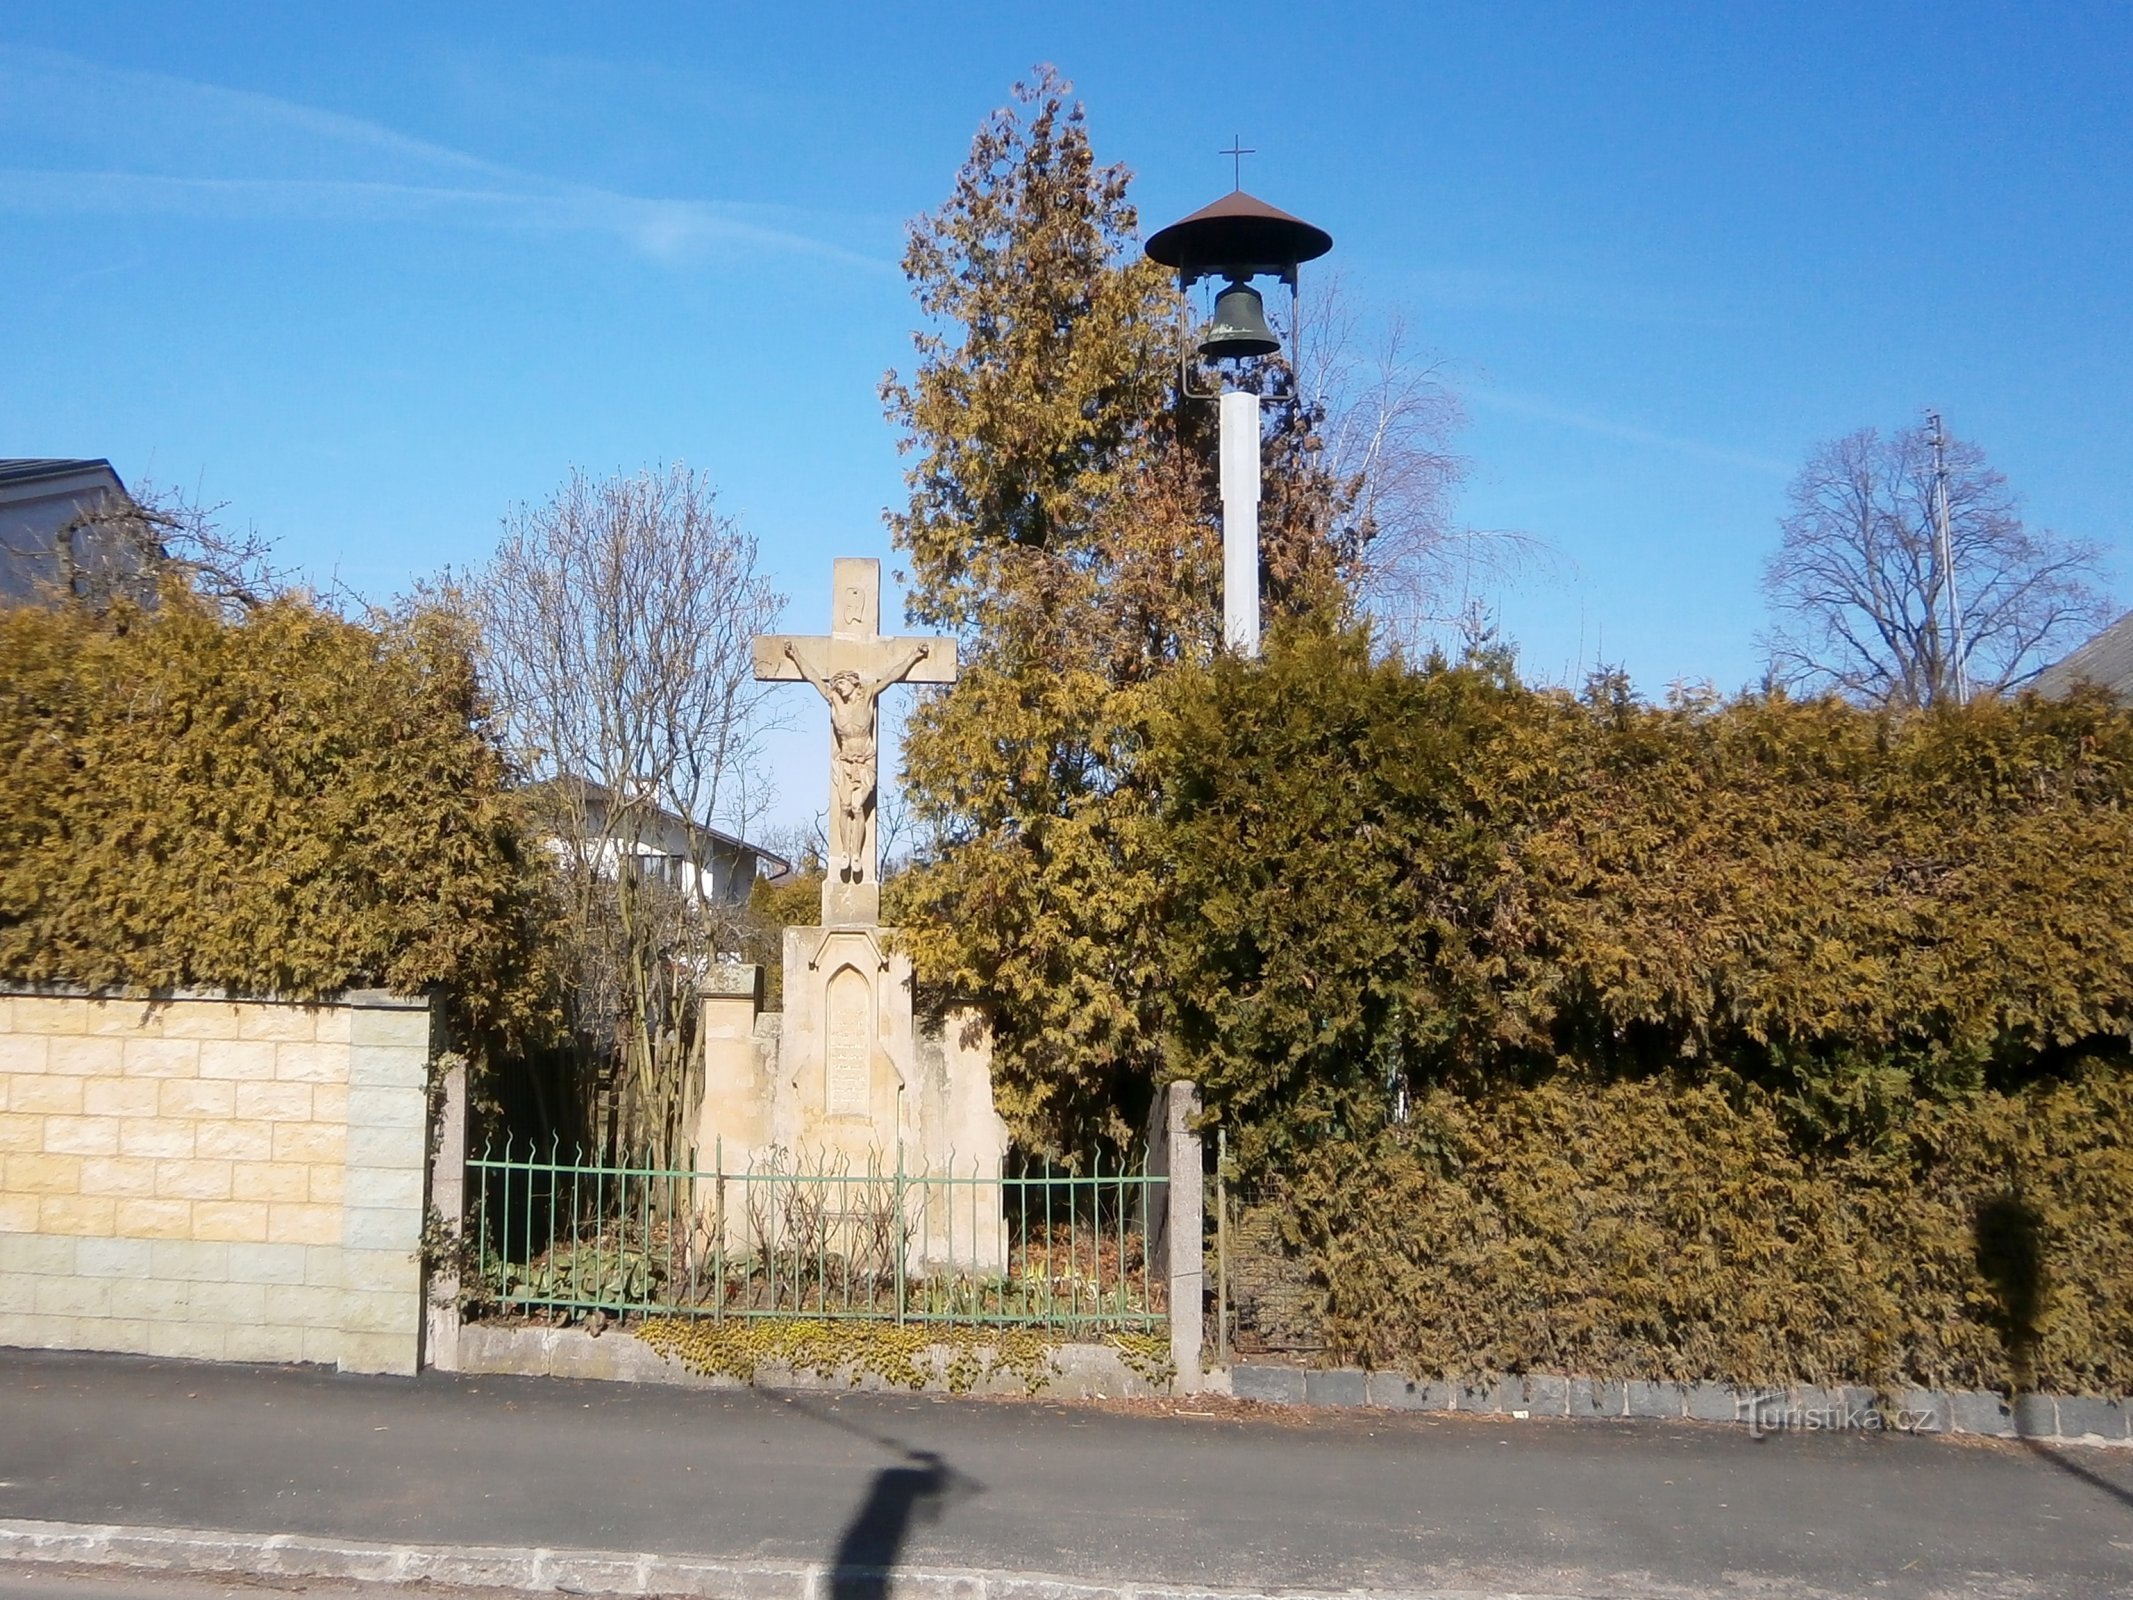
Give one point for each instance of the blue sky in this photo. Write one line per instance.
(370, 274)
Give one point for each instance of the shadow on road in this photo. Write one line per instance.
(872, 1541)
(2095, 1480)
(911, 1493)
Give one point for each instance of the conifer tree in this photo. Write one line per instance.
(1063, 522)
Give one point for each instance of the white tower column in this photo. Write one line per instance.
(1240, 522)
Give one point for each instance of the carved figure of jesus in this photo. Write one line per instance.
(854, 750)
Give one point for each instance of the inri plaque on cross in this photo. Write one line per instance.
(849, 669)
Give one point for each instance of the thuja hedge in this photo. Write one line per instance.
(1721, 1040)
(1669, 1231)
(1381, 877)
(288, 804)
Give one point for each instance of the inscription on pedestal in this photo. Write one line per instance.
(849, 1026)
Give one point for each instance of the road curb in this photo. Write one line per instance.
(595, 1572)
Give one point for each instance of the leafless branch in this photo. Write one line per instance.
(1858, 588)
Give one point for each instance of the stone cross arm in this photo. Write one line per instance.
(936, 661)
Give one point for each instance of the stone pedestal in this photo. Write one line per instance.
(844, 1085)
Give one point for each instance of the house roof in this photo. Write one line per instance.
(2106, 661)
(29, 469)
(600, 791)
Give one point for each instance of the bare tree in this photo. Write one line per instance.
(616, 623)
(1386, 418)
(127, 546)
(1860, 591)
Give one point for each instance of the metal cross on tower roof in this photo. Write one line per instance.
(1237, 151)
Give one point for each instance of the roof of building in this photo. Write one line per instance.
(28, 469)
(2106, 661)
(593, 789)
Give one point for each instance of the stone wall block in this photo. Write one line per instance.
(191, 1261)
(267, 1263)
(228, 1139)
(381, 1227)
(405, 1026)
(34, 1253)
(286, 1181)
(124, 1019)
(239, 1061)
(160, 1058)
(196, 1097)
(392, 1311)
(122, 1177)
(304, 1305)
(280, 1023)
(84, 1215)
(42, 1174)
(72, 1297)
(384, 1108)
(309, 1142)
(114, 1258)
(192, 1179)
(262, 1342)
(389, 1272)
(188, 1341)
(231, 1221)
(303, 1224)
(386, 1147)
(157, 1138)
(50, 1014)
(20, 1131)
(203, 1019)
(379, 1067)
(120, 1097)
(154, 1219)
(150, 1300)
(308, 1062)
(25, 1054)
(377, 1352)
(274, 1102)
(45, 1095)
(18, 1214)
(399, 1187)
(81, 1136)
(85, 1057)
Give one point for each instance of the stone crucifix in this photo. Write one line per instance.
(849, 669)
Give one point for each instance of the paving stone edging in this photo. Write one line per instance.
(583, 1572)
(2059, 1419)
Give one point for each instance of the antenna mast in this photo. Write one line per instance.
(1945, 549)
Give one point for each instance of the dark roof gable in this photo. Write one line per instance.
(2106, 661)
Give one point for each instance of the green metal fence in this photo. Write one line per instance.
(1034, 1246)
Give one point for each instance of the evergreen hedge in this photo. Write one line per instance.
(1738, 1041)
(289, 804)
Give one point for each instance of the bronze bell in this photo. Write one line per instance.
(1239, 328)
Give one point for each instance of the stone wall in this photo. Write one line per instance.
(199, 1177)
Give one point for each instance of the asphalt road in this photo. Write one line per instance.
(1318, 1500)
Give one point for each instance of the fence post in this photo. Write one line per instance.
(448, 1205)
(1176, 1228)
